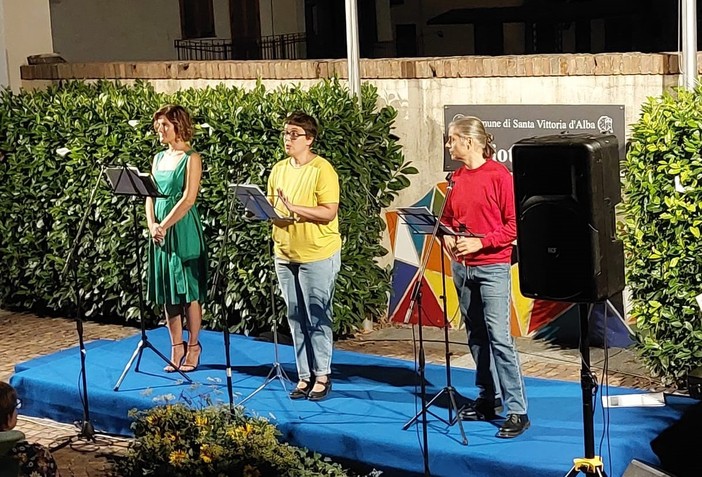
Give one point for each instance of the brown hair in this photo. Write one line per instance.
(180, 119)
(8, 403)
(470, 126)
(305, 121)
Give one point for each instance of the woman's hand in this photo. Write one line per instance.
(285, 221)
(158, 233)
(284, 199)
(319, 214)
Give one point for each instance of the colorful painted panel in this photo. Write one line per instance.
(529, 317)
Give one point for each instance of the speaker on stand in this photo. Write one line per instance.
(566, 188)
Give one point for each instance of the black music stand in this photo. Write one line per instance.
(126, 180)
(257, 205)
(422, 221)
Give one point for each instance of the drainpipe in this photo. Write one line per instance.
(352, 49)
(689, 44)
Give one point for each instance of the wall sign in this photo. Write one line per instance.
(510, 123)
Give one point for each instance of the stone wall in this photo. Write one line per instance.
(419, 87)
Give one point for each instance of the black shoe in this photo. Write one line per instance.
(482, 409)
(513, 426)
(319, 395)
(301, 393)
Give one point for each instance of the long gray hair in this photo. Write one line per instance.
(470, 126)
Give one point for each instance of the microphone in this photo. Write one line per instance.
(449, 179)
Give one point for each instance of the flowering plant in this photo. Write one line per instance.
(177, 440)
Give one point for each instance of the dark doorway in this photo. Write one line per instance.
(196, 19)
(245, 20)
(325, 24)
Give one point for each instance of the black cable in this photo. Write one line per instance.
(606, 413)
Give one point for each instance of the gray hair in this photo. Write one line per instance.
(470, 126)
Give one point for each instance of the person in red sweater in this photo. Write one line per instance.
(481, 204)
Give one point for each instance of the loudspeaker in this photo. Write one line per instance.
(566, 188)
(637, 468)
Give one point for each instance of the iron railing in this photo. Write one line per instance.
(291, 46)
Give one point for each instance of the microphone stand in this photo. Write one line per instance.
(215, 285)
(86, 429)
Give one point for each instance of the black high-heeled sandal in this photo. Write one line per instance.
(187, 368)
(171, 369)
(301, 393)
(319, 395)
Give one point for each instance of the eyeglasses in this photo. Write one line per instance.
(18, 404)
(293, 135)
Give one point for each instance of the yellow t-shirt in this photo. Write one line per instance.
(310, 185)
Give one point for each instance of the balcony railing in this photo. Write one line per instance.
(290, 46)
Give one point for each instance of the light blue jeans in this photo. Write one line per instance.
(484, 294)
(308, 291)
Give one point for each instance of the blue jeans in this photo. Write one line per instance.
(308, 291)
(484, 296)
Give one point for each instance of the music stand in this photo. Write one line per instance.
(257, 204)
(126, 180)
(422, 221)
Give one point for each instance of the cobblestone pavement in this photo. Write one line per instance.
(27, 336)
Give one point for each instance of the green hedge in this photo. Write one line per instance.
(43, 196)
(662, 232)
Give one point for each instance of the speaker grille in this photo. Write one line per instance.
(552, 263)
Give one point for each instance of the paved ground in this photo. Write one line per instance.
(27, 336)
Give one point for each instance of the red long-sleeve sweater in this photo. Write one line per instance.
(482, 202)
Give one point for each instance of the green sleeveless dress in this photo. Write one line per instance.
(177, 271)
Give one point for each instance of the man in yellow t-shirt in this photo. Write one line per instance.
(305, 192)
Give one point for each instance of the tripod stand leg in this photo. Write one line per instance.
(147, 344)
(459, 420)
(422, 411)
(276, 372)
(453, 408)
(144, 343)
(138, 362)
(137, 352)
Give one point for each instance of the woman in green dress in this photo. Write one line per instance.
(177, 273)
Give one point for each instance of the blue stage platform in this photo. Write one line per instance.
(372, 398)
